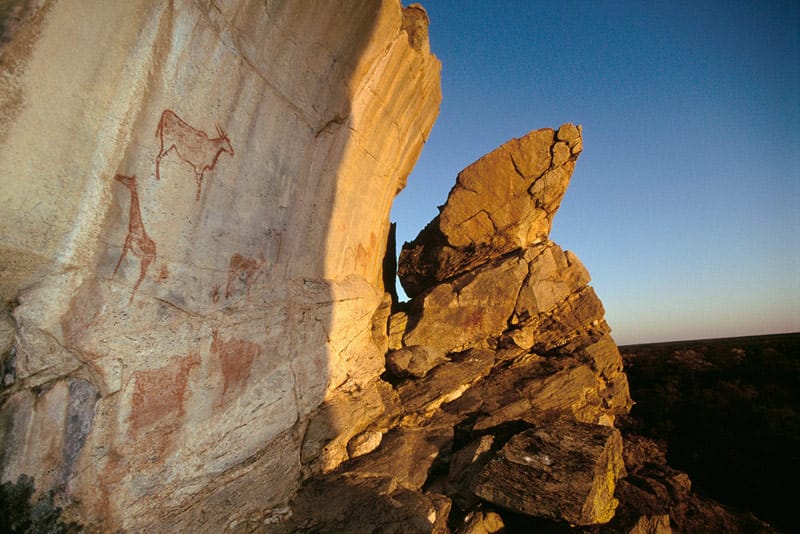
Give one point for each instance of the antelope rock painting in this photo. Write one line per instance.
(193, 146)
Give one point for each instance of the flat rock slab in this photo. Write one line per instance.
(564, 470)
(356, 504)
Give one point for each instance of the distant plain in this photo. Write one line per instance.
(728, 413)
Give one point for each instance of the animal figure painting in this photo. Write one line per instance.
(137, 240)
(243, 270)
(193, 146)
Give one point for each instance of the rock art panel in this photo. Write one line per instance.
(158, 397)
(244, 272)
(322, 106)
(236, 359)
(191, 145)
(137, 241)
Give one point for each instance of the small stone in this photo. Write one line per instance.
(561, 153)
(397, 328)
(414, 361)
(482, 523)
(364, 443)
(569, 133)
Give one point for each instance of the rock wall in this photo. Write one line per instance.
(194, 214)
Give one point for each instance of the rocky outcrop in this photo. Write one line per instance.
(502, 389)
(189, 269)
(195, 333)
(505, 201)
(506, 379)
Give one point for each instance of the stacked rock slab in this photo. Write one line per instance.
(506, 380)
(485, 278)
(195, 201)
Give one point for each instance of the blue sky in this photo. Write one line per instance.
(685, 204)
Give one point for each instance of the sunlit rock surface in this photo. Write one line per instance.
(196, 335)
(501, 360)
(503, 202)
(195, 201)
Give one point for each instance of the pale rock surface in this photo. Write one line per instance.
(184, 230)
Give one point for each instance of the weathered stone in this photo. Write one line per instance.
(80, 415)
(504, 201)
(566, 470)
(468, 310)
(561, 153)
(526, 387)
(446, 383)
(578, 316)
(414, 361)
(569, 133)
(354, 504)
(340, 418)
(8, 352)
(553, 276)
(463, 458)
(465, 464)
(604, 356)
(397, 328)
(364, 443)
(380, 324)
(481, 523)
(405, 455)
(656, 524)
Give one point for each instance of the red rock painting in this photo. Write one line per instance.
(193, 146)
(137, 241)
(163, 274)
(244, 270)
(159, 395)
(236, 359)
(363, 257)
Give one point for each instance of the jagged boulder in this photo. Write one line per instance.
(562, 470)
(464, 312)
(504, 201)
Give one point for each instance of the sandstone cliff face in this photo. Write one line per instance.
(195, 201)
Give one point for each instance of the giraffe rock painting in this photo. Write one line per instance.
(137, 240)
(244, 270)
(193, 146)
